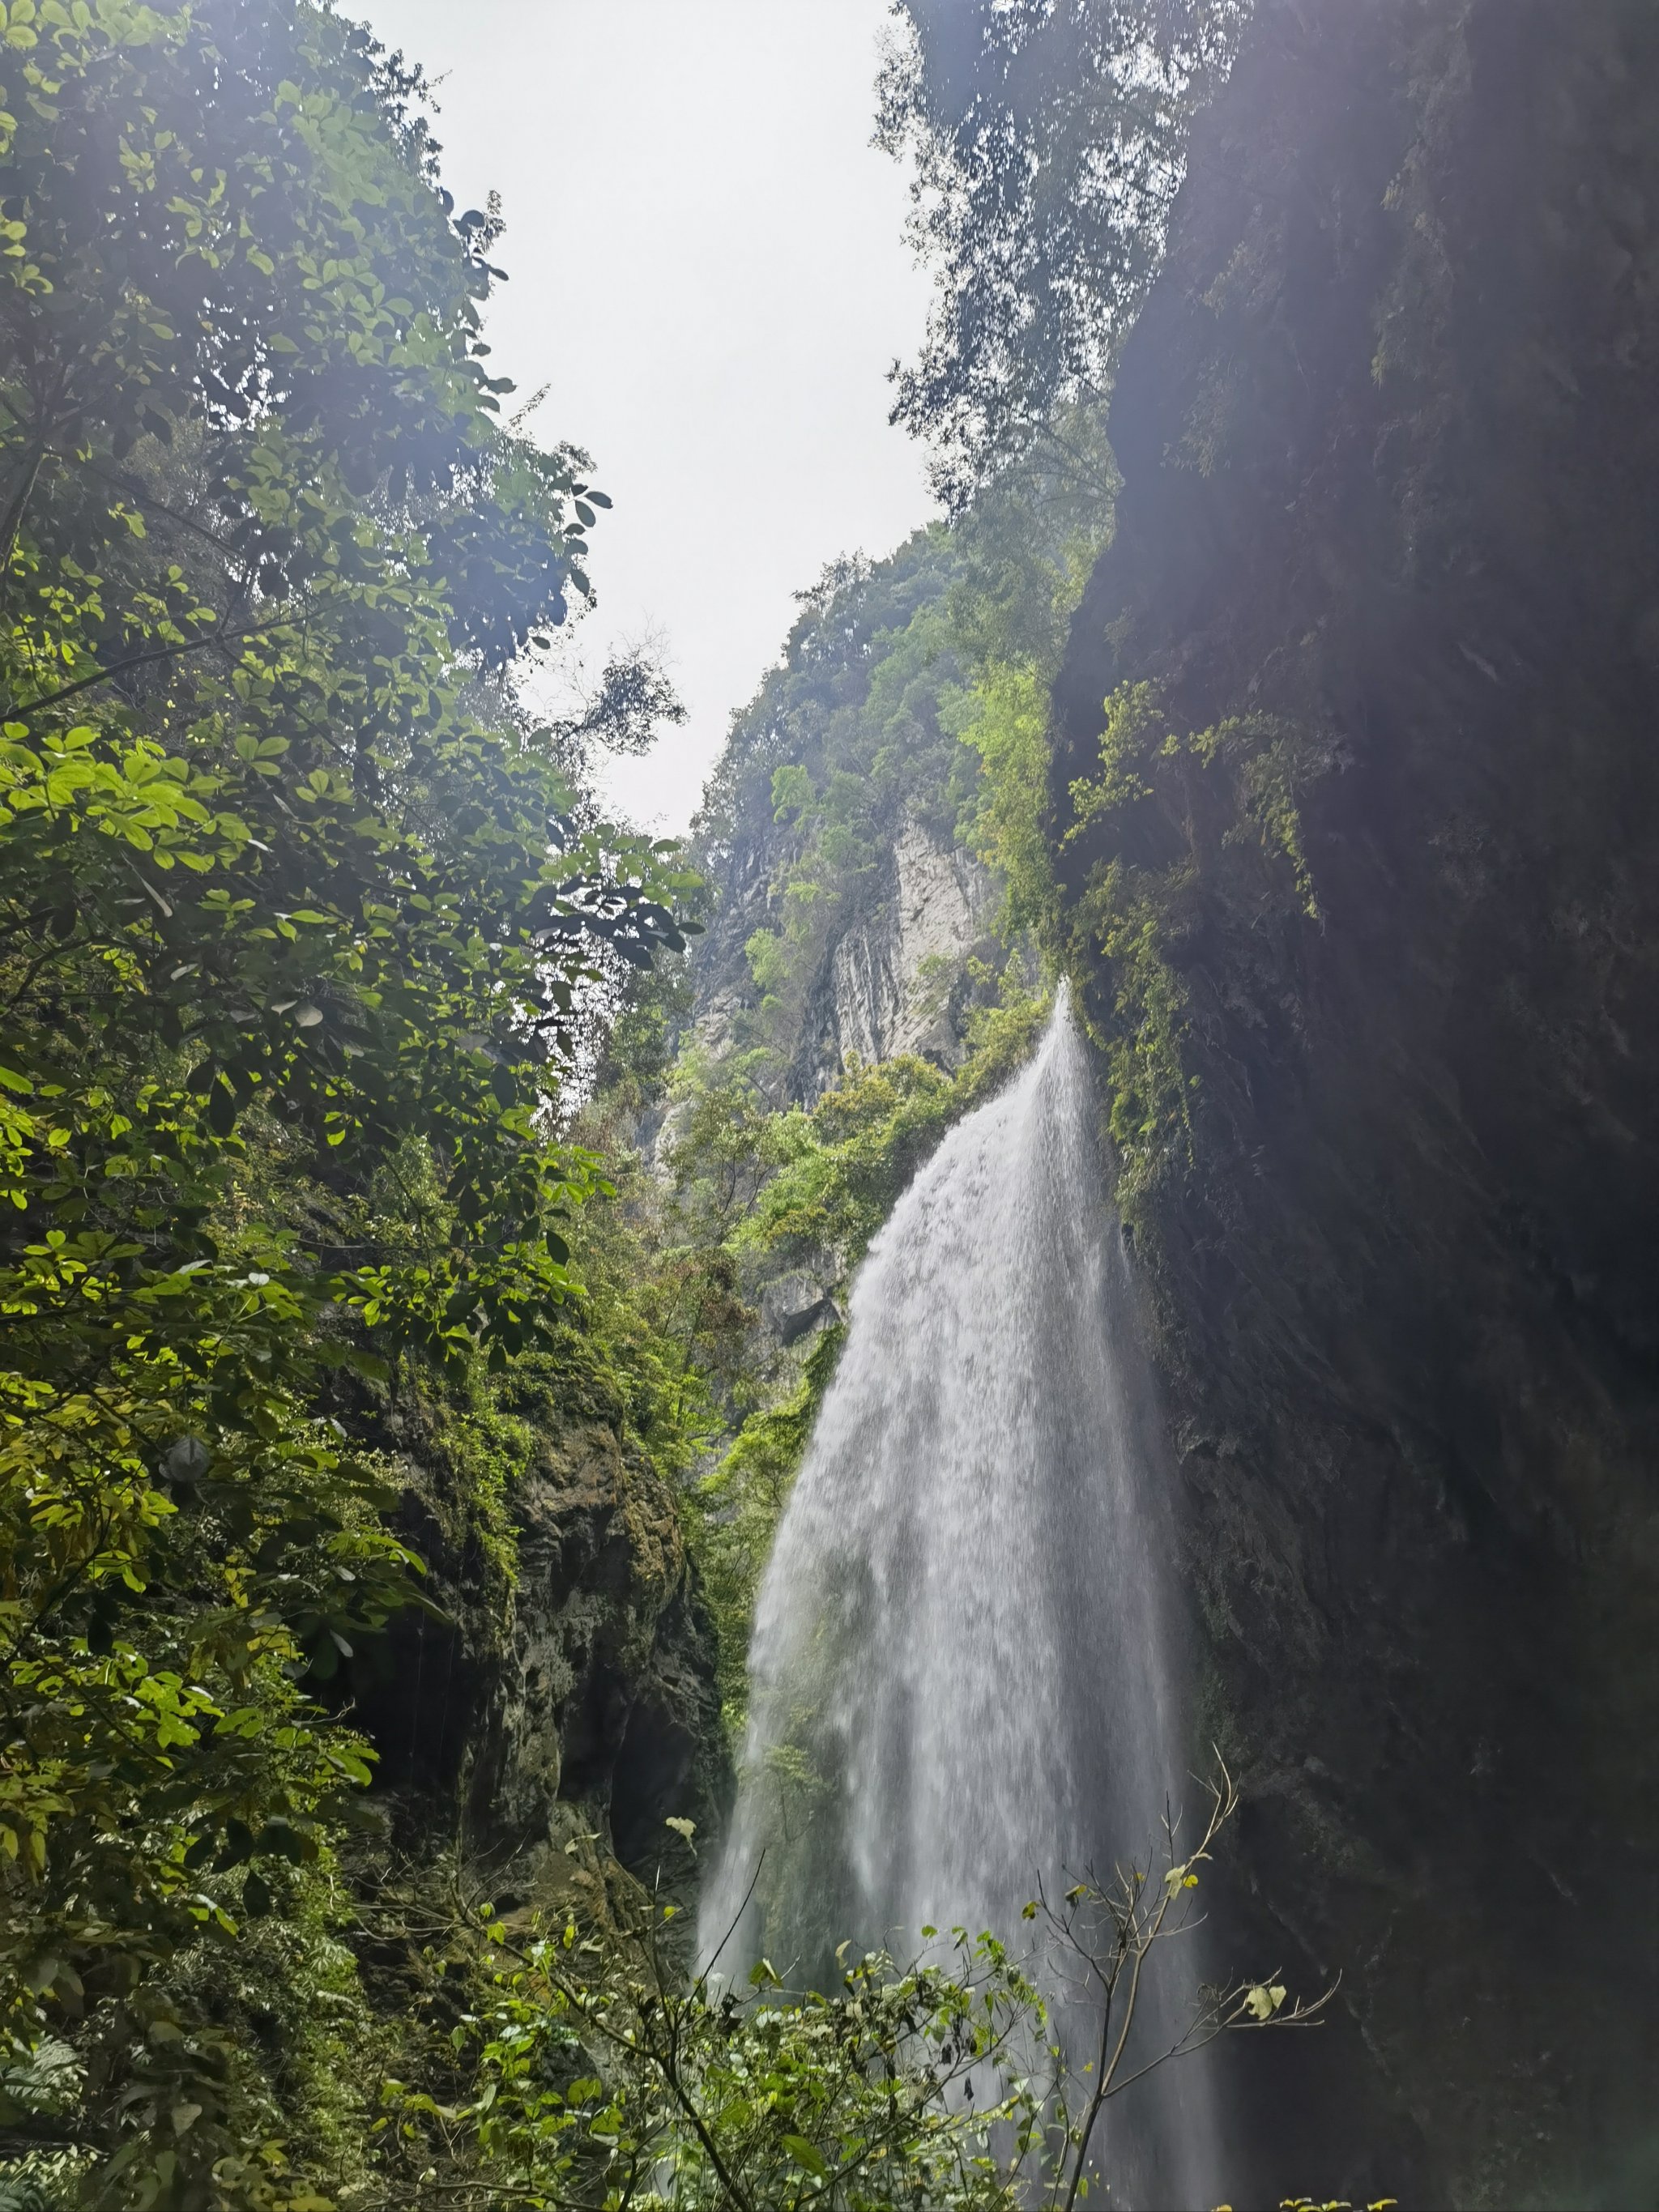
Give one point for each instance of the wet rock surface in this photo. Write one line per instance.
(552, 1727)
(1391, 473)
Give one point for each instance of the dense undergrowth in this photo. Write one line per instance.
(298, 918)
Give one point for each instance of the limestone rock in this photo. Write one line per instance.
(893, 971)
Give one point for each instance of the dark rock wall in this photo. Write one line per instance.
(561, 1712)
(1389, 431)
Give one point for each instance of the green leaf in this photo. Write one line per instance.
(805, 2154)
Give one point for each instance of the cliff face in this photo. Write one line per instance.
(566, 1707)
(1390, 461)
(846, 909)
(895, 976)
(889, 976)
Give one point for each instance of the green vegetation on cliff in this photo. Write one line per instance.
(911, 706)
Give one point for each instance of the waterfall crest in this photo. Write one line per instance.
(962, 1676)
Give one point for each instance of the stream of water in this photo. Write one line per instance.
(963, 1673)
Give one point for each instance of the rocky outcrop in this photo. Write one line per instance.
(895, 975)
(889, 977)
(607, 1702)
(565, 1709)
(1390, 463)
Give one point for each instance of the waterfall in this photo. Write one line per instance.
(962, 1674)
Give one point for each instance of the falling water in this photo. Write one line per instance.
(962, 1674)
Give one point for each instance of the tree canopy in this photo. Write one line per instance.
(1048, 139)
(298, 918)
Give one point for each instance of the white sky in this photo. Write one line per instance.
(708, 271)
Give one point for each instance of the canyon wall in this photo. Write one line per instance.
(1390, 531)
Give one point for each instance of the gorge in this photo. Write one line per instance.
(1359, 921)
(1099, 1213)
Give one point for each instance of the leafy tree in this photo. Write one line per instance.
(634, 699)
(1047, 138)
(602, 2081)
(594, 2074)
(1005, 720)
(297, 925)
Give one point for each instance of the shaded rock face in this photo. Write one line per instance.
(1389, 431)
(606, 1701)
(565, 1723)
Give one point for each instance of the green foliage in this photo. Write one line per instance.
(595, 2077)
(1004, 719)
(839, 1168)
(588, 2069)
(1194, 862)
(1334, 2204)
(1047, 144)
(295, 922)
(1028, 542)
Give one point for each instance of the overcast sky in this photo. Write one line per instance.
(708, 274)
